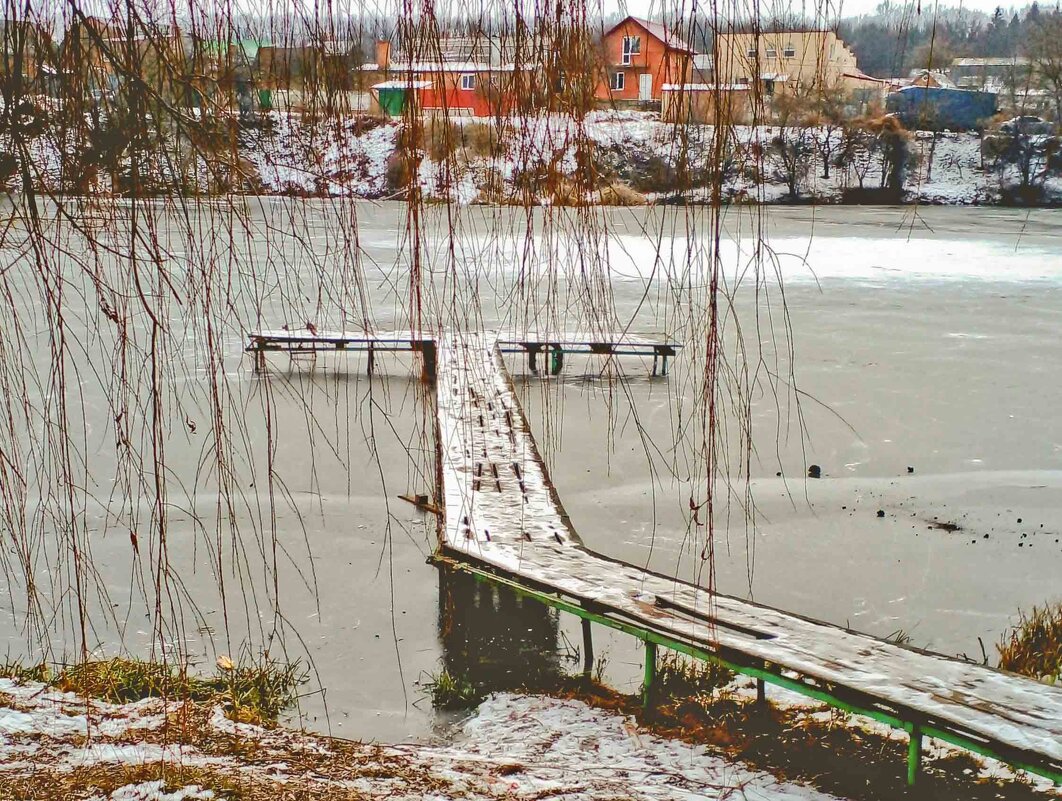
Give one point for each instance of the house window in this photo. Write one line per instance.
(772, 53)
(751, 52)
(632, 46)
(468, 81)
(619, 80)
(789, 52)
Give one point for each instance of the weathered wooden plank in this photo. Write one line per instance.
(306, 339)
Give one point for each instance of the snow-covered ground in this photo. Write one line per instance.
(631, 147)
(513, 746)
(538, 159)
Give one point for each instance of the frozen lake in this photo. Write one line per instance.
(925, 341)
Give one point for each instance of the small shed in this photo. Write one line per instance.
(936, 108)
(705, 103)
(393, 97)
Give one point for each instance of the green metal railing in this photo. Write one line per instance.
(916, 726)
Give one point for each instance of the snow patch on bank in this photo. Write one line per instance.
(513, 747)
(156, 791)
(569, 747)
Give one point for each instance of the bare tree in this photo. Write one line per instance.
(826, 120)
(1045, 51)
(792, 146)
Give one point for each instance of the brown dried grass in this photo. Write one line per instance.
(1034, 646)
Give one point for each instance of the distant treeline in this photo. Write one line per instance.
(895, 39)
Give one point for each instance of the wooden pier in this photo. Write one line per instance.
(502, 521)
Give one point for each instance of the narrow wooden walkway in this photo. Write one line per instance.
(502, 520)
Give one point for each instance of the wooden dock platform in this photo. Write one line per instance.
(502, 520)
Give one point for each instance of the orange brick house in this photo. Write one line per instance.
(639, 58)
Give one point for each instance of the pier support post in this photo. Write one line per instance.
(532, 357)
(663, 364)
(427, 351)
(650, 673)
(914, 754)
(371, 361)
(588, 650)
(259, 360)
(761, 692)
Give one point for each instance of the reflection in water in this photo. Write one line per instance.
(494, 638)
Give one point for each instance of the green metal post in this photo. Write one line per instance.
(914, 753)
(663, 364)
(588, 650)
(558, 360)
(650, 672)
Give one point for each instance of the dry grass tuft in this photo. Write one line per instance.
(678, 676)
(249, 692)
(622, 195)
(480, 138)
(441, 138)
(15, 669)
(1034, 647)
(453, 692)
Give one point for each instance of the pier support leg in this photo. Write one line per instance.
(663, 365)
(650, 673)
(558, 361)
(761, 692)
(654, 363)
(532, 360)
(427, 352)
(914, 754)
(371, 367)
(588, 650)
(259, 360)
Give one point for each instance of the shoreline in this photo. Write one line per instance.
(607, 158)
(582, 741)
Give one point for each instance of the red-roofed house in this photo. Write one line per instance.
(640, 57)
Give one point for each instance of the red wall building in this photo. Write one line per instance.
(462, 89)
(640, 57)
(474, 90)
